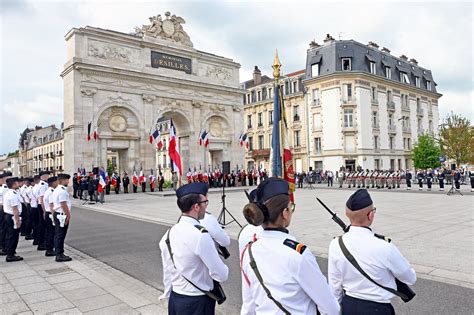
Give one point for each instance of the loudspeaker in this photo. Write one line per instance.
(453, 167)
(95, 171)
(226, 167)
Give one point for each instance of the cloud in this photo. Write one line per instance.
(43, 110)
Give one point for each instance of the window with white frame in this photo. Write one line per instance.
(316, 97)
(249, 121)
(260, 119)
(430, 126)
(348, 119)
(404, 78)
(259, 96)
(297, 138)
(295, 86)
(420, 125)
(428, 85)
(317, 145)
(270, 93)
(376, 142)
(373, 68)
(248, 98)
(375, 119)
(260, 142)
(374, 93)
(347, 91)
(388, 72)
(390, 120)
(417, 82)
(346, 64)
(270, 117)
(296, 113)
(391, 143)
(315, 70)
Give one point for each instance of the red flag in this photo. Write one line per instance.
(89, 126)
(96, 136)
(173, 151)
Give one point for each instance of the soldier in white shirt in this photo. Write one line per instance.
(378, 258)
(193, 263)
(62, 216)
(12, 208)
(3, 189)
(39, 191)
(220, 237)
(28, 196)
(49, 209)
(285, 269)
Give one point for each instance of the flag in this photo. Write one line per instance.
(135, 177)
(89, 126)
(141, 179)
(151, 137)
(96, 135)
(244, 140)
(114, 180)
(281, 156)
(152, 178)
(102, 181)
(159, 142)
(173, 151)
(241, 141)
(204, 139)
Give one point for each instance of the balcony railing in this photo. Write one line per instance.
(392, 128)
(375, 102)
(406, 129)
(405, 107)
(260, 125)
(375, 126)
(391, 105)
(419, 111)
(296, 118)
(348, 101)
(430, 113)
(349, 128)
(316, 103)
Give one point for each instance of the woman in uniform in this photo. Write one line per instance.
(280, 275)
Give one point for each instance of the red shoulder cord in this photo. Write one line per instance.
(254, 239)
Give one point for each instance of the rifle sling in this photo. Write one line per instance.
(352, 260)
(253, 264)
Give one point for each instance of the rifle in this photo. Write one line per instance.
(403, 290)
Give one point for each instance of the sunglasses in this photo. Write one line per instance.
(292, 207)
(203, 201)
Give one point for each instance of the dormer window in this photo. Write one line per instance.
(346, 64)
(428, 85)
(373, 68)
(417, 81)
(388, 72)
(404, 78)
(315, 70)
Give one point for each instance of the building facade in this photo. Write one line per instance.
(129, 84)
(41, 149)
(366, 107)
(258, 118)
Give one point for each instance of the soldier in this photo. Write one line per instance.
(174, 180)
(190, 275)
(32, 201)
(420, 176)
(276, 261)
(408, 178)
(429, 178)
(441, 177)
(61, 216)
(457, 179)
(340, 177)
(118, 182)
(398, 177)
(125, 182)
(12, 218)
(75, 185)
(471, 179)
(359, 179)
(39, 192)
(24, 204)
(378, 258)
(349, 178)
(372, 179)
(161, 181)
(3, 228)
(49, 208)
(189, 175)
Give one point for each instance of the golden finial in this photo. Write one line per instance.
(276, 66)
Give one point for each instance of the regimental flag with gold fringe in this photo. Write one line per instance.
(281, 156)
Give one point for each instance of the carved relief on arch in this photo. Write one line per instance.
(217, 126)
(118, 121)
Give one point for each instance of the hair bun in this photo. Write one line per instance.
(253, 214)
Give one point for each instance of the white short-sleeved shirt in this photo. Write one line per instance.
(33, 197)
(291, 273)
(24, 193)
(3, 190)
(48, 198)
(60, 194)
(215, 230)
(43, 186)
(380, 259)
(10, 200)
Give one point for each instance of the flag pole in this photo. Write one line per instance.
(276, 141)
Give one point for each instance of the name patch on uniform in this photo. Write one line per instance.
(201, 228)
(299, 247)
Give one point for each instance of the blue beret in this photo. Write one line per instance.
(269, 188)
(64, 176)
(52, 179)
(193, 188)
(11, 180)
(359, 200)
(44, 173)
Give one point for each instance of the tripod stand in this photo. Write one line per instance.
(221, 218)
(453, 191)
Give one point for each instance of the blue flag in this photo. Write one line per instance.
(276, 138)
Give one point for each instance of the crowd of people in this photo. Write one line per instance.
(389, 179)
(37, 208)
(235, 178)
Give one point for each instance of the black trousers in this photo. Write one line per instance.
(134, 188)
(74, 195)
(12, 235)
(354, 306)
(409, 183)
(190, 305)
(143, 187)
(3, 229)
(472, 182)
(441, 183)
(125, 189)
(27, 221)
(457, 184)
(59, 235)
(49, 233)
(39, 234)
(329, 181)
(420, 183)
(428, 182)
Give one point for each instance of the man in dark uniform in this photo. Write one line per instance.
(12, 218)
(429, 178)
(75, 185)
(471, 178)
(125, 183)
(408, 178)
(118, 182)
(441, 177)
(420, 176)
(457, 179)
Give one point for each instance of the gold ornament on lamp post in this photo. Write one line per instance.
(276, 67)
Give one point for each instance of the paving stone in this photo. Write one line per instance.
(7, 287)
(20, 274)
(71, 311)
(9, 297)
(76, 284)
(30, 288)
(41, 296)
(83, 293)
(51, 306)
(64, 278)
(128, 296)
(122, 309)
(26, 280)
(14, 307)
(97, 278)
(94, 303)
(153, 309)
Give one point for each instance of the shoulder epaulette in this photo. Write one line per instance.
(383, 237)
(42, 183)
(52, 189)
(201, 228)
(15, 192)
(299, 247)
(64, 188)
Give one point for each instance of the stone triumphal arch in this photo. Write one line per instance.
(128, 84)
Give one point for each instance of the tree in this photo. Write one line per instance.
(426, 152)
(456, 139)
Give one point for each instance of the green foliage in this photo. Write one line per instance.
(426, 152)
(110, 168)
(167, 184)
(456, 138)
(13, 154)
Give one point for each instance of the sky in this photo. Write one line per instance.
(33, 50)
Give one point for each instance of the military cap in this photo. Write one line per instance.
(52, 179)
(36, 177)
(193, 188)
(29, 179)
(11, 180)
(359, 200)
(3, 175)
(64, 176)
(44, 173)
(269, 188)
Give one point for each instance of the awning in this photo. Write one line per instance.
(370, 58)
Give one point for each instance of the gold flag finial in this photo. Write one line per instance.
(276, 66)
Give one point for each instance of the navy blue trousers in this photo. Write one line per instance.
(190, 305)
(353, 306)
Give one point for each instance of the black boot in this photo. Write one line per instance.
(63, 258)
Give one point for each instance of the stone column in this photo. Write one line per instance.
(89, 148)
(149, 156)
(196, 152)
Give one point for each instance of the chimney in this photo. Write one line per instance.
(257, 76)
(386, 50)
(313, 44)
(328, 39)
(373, 45)
(413, 61)
(403, 57)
